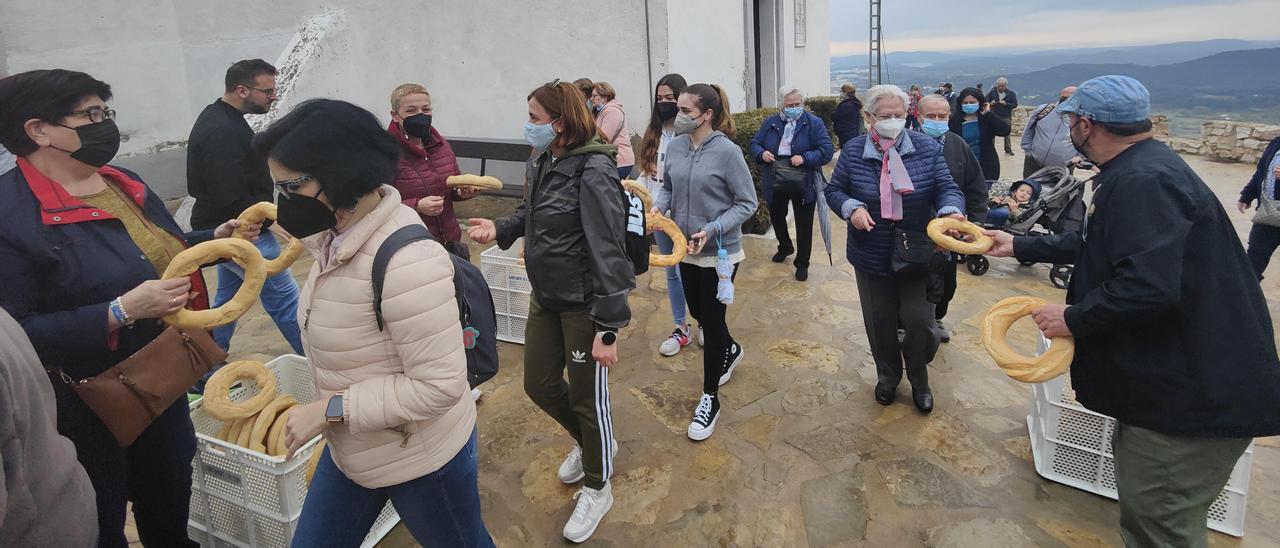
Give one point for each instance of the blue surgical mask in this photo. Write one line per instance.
(934, 128)
(539, 136)
(970, 108)
(792, 113)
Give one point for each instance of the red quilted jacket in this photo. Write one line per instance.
(423, 173)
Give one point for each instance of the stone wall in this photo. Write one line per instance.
(1229, 141)
(1159, 122)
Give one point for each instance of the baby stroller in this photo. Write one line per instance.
(1056, 206)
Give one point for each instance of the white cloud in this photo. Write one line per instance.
(1250, 19)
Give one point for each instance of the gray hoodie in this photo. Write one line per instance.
(708, 189)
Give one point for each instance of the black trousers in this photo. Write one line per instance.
(1030, 166)
(887, 302)
(1263, 241)
(1008, 148)
(948, 274)
(700, 294)
(804, 224)
(154, 473)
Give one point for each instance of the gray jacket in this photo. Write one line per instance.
(1048, 141)
(708, 189)
(45, 495)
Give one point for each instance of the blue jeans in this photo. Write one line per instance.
(440, 509)
(675, 289)
(279, 296)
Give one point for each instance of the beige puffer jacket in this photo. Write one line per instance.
(408, 406)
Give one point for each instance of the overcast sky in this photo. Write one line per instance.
(936, 25)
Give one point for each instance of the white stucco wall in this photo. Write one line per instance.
(809, 67)
(708, 45)
(166, 59)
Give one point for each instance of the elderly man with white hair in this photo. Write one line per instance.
(1003, 100)
(790, 148)
(889, 184)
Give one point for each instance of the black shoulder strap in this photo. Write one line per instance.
(405, 235)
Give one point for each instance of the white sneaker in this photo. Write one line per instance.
(571, 470)
(593, 504)
(475, 394)
(702, 336)
(678, 339)
(704, 418)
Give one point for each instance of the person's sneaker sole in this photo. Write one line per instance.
(587, 536)
(706, 433)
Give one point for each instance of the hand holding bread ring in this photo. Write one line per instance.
(943, 229)
(249, 232)
(190, 260)
(305, 422)
(995, 326)
(483, 182)
(156, 298)
(254, 215)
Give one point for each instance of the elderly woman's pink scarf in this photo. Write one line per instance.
(894, 180)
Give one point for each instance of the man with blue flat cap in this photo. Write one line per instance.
(1172, 334)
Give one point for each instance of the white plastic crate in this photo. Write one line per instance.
(242, 498)
(509, 284)
(1071, 445)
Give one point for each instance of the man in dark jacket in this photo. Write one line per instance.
(1003, 100)
(935, 112)
(226, 177)
(1172, 334)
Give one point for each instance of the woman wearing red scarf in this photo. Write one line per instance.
(889, 184)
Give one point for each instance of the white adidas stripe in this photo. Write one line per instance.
(604, 420)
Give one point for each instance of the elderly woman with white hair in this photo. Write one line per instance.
(889, 183)
(791, 147)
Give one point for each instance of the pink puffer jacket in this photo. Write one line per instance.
(408, 406)
(613, 124)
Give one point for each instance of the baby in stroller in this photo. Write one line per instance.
(1003, 207)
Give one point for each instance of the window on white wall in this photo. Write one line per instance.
(801, 24)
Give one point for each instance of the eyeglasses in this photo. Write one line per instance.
(96, 115)
(269, 92)
(291, 186)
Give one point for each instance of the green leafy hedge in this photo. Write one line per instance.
(747, 124)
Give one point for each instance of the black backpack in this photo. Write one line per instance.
(637, 242)
(475, 303)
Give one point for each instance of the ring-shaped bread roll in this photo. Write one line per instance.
(938, 228)
(262, 211)
(668, 227)
(225, 431)
(265, 418)
(995, 327)
(217, 392)
(482, 182)
(639, 191)
(191, 259)
(275, 438)
(233, 434)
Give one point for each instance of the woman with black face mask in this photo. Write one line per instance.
(426, 161)
(653, 156)
(84, 244)
(394, 404)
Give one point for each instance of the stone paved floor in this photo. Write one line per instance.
(802, 455)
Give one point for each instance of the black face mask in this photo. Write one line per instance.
(667, 111)
(99, 143)
(302, 216)
(418, 125)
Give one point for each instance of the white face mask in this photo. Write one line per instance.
(890, 128)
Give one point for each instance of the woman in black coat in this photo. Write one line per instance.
(972, 119)
(847, 117)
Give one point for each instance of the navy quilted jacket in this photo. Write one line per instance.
(856, 182)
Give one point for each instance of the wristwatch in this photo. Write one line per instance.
(608, 337)
(333, 412)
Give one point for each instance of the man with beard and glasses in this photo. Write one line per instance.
(1172, 333)
(225, 177)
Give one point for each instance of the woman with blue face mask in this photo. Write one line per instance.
(574, 225)
(790, 148)
(972, 119)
